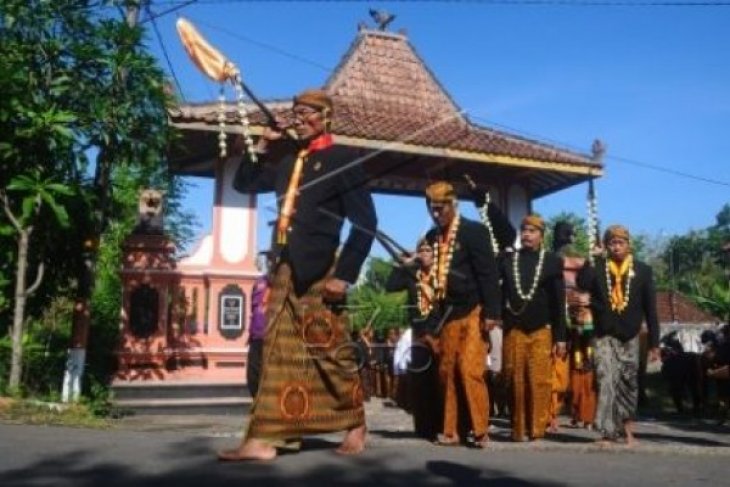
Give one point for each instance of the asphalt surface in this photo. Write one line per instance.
(180, 451)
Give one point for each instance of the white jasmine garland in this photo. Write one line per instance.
(243, 116)
(592, 224)
(526, 297)
(485, 220)
(535, 280)
(440, 269)
(222, 122)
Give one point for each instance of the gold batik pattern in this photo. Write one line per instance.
(583, 403)
(559, 385)
(463, 358)
(310, 380)
(528, 370)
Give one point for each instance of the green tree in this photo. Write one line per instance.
(715, 298)
(35, 192)
(85, 104)
(697, 266)
(371, 305)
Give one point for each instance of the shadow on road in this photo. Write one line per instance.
(394, 435)
(662, 438)
(191, 463)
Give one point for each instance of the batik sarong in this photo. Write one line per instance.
(463, 355)
(310, 379)
(528, 370)
(583, 402)
(559, 378)
(617, 366)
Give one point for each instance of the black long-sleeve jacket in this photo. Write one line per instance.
(547, 306)
(473, 278)
(332, 189)
(642, 302)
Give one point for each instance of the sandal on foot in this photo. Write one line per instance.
(480, 442)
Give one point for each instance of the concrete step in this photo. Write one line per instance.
(235, 406)
(177, 390)
(181, 398)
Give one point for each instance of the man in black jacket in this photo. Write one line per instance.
(413, 274)
(622, 297)
(534, 326)
(465, 281)
(310, 382)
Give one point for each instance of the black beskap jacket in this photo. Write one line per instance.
(331, 190)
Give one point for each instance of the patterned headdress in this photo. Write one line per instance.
(314, 98)
(616, 231)
(534, 220)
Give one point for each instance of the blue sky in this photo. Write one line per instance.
(652, 82)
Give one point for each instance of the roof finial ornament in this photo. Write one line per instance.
(598, 149)
(382, 18)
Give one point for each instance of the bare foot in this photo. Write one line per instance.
(604, 442)
(354, 441)
(629, 431)
(250, 450)
(631, 441)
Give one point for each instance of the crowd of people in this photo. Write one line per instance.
(499, 324)
(696, 365)
(534, 325)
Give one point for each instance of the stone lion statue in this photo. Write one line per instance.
(151, 208)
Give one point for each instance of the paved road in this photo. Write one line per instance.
(178, 451)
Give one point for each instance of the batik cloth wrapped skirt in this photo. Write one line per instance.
(310, 379)
(617, 370)
(559, 380)
(527, 363)
(462, 362)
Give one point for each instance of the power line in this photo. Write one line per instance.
(669, 171)
(624, 160)
(513, 130)
(181, 5)
(269, 47)
(569, 3)
(164, 52)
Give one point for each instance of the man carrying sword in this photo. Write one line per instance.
(310, 382)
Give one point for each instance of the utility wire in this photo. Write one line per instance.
(152, 17)
(514, 131)
(624, 160)
(268, 47)
(669, 171)
(164, 53)
(570, 3)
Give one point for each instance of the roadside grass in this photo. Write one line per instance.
(23, 411)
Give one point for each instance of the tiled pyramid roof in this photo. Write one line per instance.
(384, 93)
(382, 72)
